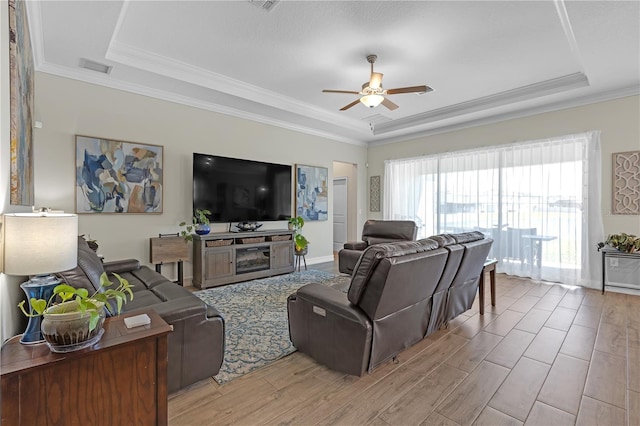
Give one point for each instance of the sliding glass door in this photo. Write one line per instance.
(530, 198)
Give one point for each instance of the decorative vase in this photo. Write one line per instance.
(202, 229)
(302, 252)
(69, 331)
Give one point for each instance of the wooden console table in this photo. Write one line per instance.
(121, 380)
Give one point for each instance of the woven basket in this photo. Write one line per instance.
(252, 240)
(218, 243)
(280, 237)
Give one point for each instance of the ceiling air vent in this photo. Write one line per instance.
(95, 66)
(267, 5)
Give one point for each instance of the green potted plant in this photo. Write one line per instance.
(624, 242)
(199, 222)
(76, 321)
(295, 224)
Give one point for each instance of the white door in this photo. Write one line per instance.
(339, 213)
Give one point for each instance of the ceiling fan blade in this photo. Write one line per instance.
(376, 80)
(412, 89)
(351, 92)
(346, 107)
(390, 105)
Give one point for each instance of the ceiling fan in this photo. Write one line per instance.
(372, 93)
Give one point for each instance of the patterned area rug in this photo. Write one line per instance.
(255, 314)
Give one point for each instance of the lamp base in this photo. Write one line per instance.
(38, 287)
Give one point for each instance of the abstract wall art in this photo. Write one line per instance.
(626, 183)
(118, 177)
(312, 192)
(21, 100)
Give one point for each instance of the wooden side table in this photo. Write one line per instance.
(489, 266)
(122, 379)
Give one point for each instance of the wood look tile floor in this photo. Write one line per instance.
(545, 355)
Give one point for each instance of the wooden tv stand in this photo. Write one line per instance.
(228, 257)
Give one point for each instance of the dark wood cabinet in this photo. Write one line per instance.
(122, 379)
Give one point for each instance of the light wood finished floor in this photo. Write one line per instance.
(545, 355)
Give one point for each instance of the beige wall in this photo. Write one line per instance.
(618, 120)
(67, 107)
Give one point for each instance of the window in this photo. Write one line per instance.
(539, 201)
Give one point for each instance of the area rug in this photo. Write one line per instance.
(255, 315)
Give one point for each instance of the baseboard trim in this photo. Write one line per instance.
(322, 259)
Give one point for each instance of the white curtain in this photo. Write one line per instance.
(538, 200)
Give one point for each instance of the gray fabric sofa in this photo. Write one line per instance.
(375, 232)
(399, 293)
(196, 344)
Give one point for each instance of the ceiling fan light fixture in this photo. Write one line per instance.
(372, 101)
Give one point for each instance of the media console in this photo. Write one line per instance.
(229, 257)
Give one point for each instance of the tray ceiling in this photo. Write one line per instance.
(487, 60)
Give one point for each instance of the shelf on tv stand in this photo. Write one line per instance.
(214, 255)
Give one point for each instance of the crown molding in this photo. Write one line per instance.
(108, 81)
(34, 16)
(145, 60)
(526, 112)
(565, 22)
(531, 91)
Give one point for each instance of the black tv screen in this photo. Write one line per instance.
(236, 190)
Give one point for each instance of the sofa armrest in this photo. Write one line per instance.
(324, 325)
(198, 334)
(355, 245)
(120, 266)
(332, 300)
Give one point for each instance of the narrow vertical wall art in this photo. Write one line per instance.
(312, 192)
(374, 193)
(626, 183)
(21, 100)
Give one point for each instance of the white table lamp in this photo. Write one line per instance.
(38, 245)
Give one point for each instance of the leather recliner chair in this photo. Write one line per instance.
(386, 309)
(375, 232)
(399, 293)
(196, 344)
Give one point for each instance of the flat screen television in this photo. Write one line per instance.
(236, 190)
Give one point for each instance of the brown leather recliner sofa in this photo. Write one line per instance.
(196, 344)
(399, 293)
(375, 232)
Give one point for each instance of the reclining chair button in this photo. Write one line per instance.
(319, 311)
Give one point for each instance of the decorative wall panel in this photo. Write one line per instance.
(374, 193)
(626, 183)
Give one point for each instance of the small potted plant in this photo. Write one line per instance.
(199, 222)
(295, 224)
(76, 322)
(624, 242)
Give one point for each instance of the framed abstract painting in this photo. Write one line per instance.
(312, 192)
(118, 177)
(21, 70)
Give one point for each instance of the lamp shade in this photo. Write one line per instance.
(40, 243)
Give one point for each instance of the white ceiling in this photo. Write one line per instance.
(486, 60)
